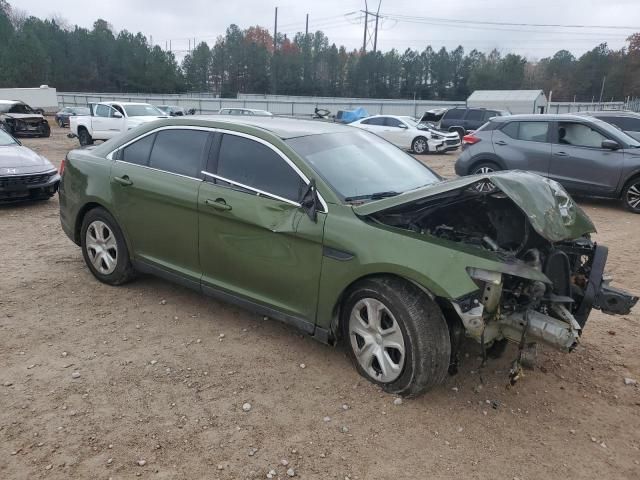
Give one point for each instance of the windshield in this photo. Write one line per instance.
(142, 111)
(6, 139)
(359, 164)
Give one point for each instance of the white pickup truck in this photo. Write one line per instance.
(109, 119)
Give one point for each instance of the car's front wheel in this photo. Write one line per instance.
(420, 145)
(84, 137)
(631, 195)
(44, 130)
(396, 335)
(104, 249)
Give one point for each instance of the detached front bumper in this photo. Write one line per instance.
(29, 186)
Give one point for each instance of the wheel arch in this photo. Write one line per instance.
(344, 293)
(635, 175)
(485, 159)
(82, 212)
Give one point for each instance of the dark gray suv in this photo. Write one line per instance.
(587, 156)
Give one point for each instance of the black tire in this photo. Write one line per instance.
(459, 130)
(420, 145)
(123, 270)
(45, 130)
(427, 345)
(631, 195)
(84, 137)
(61, 123)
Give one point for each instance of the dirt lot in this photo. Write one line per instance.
(164, 373)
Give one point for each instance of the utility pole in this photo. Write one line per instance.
(306, 28)
(375, 37)
(604, 79)
(366, 21)
(273, 58)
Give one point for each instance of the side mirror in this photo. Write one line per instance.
(117, 115)
(310, 201)
(610, 144)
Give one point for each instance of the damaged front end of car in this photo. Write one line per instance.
(548, 274)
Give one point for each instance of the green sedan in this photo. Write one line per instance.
(337, 232)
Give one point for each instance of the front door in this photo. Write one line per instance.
(104, 124)
(256, 242)
(154, 184)
(397, 132)
(580, 163)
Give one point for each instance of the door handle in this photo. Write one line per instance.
(124, 180)
(561, 154)
(218, 204)
(500, 142)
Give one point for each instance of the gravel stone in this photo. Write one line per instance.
(246, 407)
(291, 472)
(397, 401)
(75, 375)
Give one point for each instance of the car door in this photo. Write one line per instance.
(256, 242)
(398, 132)
(473, 119)
(580, 163)
(105, 123)
(524, 146)
(374, 125)
(154, 186)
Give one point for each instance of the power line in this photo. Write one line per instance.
(511, 24)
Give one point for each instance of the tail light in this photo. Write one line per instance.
(470, 139)
(61, 169)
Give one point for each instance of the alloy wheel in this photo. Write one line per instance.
(484, 186)
(102, 247)
(633, 196)
(377, 340)
(419, 145)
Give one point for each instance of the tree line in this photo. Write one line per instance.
(35, 51)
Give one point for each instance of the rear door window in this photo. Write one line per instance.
(379, 121)
(179, 151)
(628, 124)
(454, 113)
(138, 151)
(533, 131)
(475, 115)
(393, 122)
(255, 165)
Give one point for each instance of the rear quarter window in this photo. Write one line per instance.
(138, 151)
(454, 114)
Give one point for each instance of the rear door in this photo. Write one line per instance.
(256, 242)
(154, 185)
(524, 146)
(580, 163)
(474, 119)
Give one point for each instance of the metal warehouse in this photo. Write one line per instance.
(514, 101)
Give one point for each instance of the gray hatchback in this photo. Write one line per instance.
(587, 156)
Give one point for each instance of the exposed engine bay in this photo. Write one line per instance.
(550, 287)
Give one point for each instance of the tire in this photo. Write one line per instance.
(420, 145)
(459, 130)
(61, 123)
(410, 339)
(84, 137)
(45, 131)
(104, 249)
(631, 195)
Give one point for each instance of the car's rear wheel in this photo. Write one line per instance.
(631, 195)
(483, 169)
(396, 335)
(420, 145)
(104, 248)
(84, 137)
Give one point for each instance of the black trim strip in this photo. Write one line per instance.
(335, 254)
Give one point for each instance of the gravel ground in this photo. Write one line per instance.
(149, 380)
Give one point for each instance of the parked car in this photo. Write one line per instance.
(62, 117)
(173, 110)
(587, 156)
(272, 214)
(24, 174)
(628, 122)
(18, 118)
(244, 111)
(463, 120)
(110, 119)
(408, 134)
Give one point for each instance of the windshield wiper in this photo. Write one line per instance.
(372, 196)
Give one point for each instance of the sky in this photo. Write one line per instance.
(404, 23)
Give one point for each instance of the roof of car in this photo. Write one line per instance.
(282, 127)
(9, 102)
(126, 103)
(609, 113)
(533, 116)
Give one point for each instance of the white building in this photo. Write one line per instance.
(513, 101)
(44, 97)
